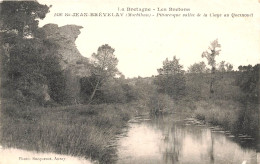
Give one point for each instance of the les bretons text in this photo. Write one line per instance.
(153, 9)
(122, 12)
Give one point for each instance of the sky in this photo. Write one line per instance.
(142, 43)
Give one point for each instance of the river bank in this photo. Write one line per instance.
(78, 130)
(231, 115)
(87, 130)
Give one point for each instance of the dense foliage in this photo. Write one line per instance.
(21, 16)
(248, 81)
(171, 79)
(30, 63)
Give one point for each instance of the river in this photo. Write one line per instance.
(176, 139)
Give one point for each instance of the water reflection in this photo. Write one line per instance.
(168, 139)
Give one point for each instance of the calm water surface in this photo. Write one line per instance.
(175, 139)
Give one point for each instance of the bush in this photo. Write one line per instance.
(160, 103)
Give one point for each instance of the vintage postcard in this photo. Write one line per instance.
(130, 82)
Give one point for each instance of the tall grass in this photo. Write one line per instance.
(74, 130)
(231, 115)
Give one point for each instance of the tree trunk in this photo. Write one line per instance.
(93, 93)
(211, 85)
(212, 82)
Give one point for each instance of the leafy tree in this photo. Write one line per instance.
(245, 68)
(225, 67)
(87, 87)
(113, 91)
(171, 78)
(30, 59)
(240, 68)
(171, 67)
(130, 92)
(229, 67)
(248, 81)
(18, 19)
(221, 67)
(104, 66)
(210, 55)
(34, 62)
(198, 68)
(21, 16)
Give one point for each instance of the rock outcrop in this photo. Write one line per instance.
(73, 63)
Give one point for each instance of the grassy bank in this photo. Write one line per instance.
(231, 115)
(74, 130)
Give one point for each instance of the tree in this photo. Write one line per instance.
(221, 67)
(210, 55)
(18, 19)
(225, 67)
(198, 68)
(21, 16)
(245, 68)
(171, 78)
(171, 67)
(113, 92)
(248, 81)
(229, 67)
(103, 66)
(30, 59)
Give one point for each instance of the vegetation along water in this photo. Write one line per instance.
(55, 100)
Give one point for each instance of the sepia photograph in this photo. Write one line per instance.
(129, 82)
